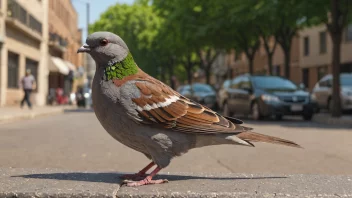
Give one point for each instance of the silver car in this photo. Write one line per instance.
(322, 91)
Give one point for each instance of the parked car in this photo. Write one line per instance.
(222, 94)
(201, 93)
(265, 96)
(322, 91)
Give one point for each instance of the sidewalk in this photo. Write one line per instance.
(9, 114)
(325, 118)
(20, 182)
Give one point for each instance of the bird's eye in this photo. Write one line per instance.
(104, 42)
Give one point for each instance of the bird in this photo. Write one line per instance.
(150, 117)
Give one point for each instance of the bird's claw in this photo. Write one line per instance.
(143, 182)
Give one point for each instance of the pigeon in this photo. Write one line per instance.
(148, 116)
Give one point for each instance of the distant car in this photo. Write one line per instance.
(201, 93)
(222, 93)
(322, 91)
(266, 96)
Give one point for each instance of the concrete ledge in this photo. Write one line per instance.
(16, 182)
(325, 118)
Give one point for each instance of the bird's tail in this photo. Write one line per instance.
(256, 137)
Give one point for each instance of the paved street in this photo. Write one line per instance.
(76, 141)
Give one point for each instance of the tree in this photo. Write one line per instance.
(138, 26)
(335, 14)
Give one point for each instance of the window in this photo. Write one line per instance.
(12, 70)
(306, 46)
(326, 83)
(322, 39)
(33, 66)
(236, 83)
(349, 33)
(245, 83)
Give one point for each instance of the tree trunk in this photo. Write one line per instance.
(171, 73)
(335, 28)
(336, 48)
(270, 63)
(189, 70)
(287, 53)
(207, 74)
(250, 65)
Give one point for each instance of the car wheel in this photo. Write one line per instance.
(256, 112)
(307, 116)
(226, 110)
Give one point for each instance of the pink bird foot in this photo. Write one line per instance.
(146, 181)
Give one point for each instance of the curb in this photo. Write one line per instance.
(32, 115)
(344, 121)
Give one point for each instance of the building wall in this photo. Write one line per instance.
(63, 20)
(316, 62)
(26, 43)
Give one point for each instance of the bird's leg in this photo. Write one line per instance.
(141, 174)
(148, 180)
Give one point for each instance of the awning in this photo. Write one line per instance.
(71, 66)
(58, 65)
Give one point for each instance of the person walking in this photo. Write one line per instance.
(28, 83)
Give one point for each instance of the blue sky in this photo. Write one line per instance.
(96, 8)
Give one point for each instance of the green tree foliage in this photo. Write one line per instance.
(138, 26)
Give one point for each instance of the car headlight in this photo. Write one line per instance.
(270, 98)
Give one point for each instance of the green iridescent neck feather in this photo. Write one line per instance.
(121, 69)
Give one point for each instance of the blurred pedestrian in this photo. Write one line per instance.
(28, 83)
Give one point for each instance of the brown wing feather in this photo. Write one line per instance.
(166, 105)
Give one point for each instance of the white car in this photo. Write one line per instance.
(322, 91)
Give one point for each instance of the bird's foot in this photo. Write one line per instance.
(146, 181)
(134, 177)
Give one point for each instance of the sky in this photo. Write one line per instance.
(96, 8)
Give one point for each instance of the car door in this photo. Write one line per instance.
(323, 93)
(244, 95)
(232, 94)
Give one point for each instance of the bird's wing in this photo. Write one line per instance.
(160, 106)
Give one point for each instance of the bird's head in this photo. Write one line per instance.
(105, 48)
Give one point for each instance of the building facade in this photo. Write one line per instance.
(40, 35)
(24, 30)
(64, 40)
(316, 53)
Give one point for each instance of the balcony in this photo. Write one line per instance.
(19, 18)
(57, 42)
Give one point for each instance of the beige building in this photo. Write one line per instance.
(24, 35)
(64, 40)
(40, 35)
(316, 53)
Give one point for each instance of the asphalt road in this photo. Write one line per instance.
(76, 141)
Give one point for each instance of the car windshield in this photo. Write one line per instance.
(346, 80)
(273, 83)
(199, 88)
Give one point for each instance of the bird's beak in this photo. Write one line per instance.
(84, 48)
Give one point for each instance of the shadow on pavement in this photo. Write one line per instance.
(115, 177)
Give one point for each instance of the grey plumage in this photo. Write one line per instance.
(148, 116)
